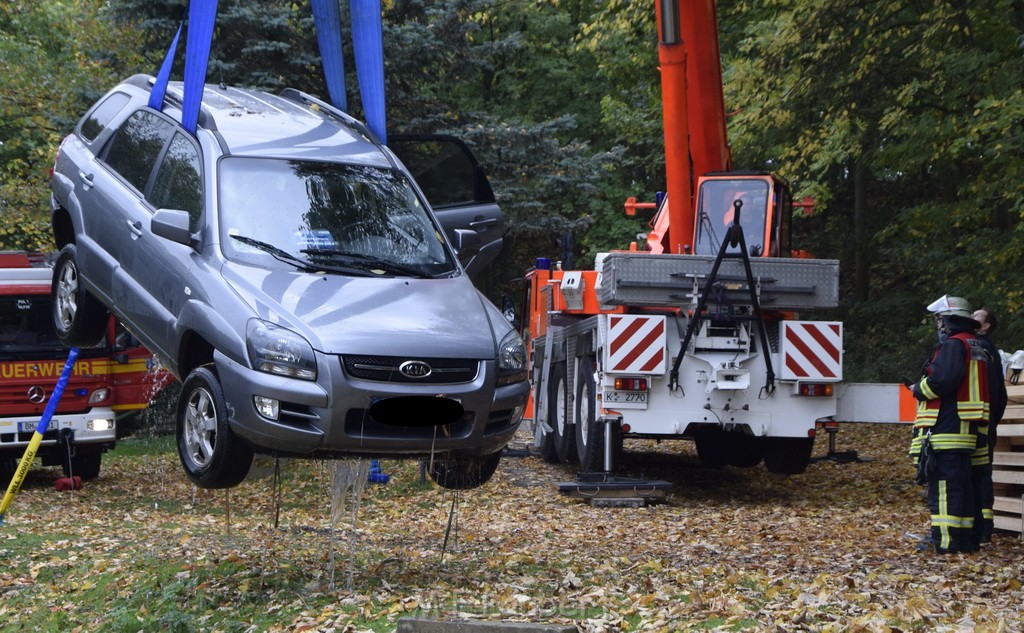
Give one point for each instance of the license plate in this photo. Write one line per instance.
(28, 427)
(638, 397)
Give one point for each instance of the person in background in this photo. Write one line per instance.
(953, 402)
(981, 459)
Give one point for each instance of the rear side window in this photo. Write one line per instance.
(178, 183)
(101, 115)
(135, 147)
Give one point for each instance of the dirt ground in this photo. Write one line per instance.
(729, 549)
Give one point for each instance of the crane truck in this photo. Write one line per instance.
(697, 334)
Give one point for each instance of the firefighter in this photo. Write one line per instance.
(981, 460)
(953, 403)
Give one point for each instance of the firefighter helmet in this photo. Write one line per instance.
(951, 306)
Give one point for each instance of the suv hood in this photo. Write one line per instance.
(371, 315)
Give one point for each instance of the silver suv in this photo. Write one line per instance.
(288, 269)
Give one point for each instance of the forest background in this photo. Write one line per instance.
(904, 120)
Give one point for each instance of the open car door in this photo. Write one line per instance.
(456, 188)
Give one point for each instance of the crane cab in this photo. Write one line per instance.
(765, 213)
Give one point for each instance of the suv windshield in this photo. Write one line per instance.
(329, 213)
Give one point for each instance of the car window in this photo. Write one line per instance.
(101, 115)
(317, 209)
(134, 150)
(444, 169)
(178, 183)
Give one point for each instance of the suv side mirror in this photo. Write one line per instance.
(467, 242)
(172, 224)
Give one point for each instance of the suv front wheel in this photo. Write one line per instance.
(78, 318)
(213, 456)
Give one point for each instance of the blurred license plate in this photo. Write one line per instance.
(28, 427)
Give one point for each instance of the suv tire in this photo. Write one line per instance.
(463, 472)
(212, 455)
(78, 318)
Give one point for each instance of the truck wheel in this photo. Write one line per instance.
(787, 455)
(212, 455)
(78, 318)
(586, 412)
(713, 448)
(463, 472)
(85, 463)
(7, 467)
(558, 415)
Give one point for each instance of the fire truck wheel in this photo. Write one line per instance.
(78, 318)
(558, 415)
(713, 448)
(85, 463)
(787, 455)
(463, 472)
(212, 455)
(586, 409)
(7, 467)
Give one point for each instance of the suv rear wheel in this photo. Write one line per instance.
(78, 318)
(213, 456)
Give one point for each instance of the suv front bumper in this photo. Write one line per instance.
(331, 417)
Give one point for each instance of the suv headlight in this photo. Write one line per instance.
(511, 359)
(277, 350)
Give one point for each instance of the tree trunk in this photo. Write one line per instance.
(861, 247)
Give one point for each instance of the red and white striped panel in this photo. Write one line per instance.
(811, 350)
(636, 344)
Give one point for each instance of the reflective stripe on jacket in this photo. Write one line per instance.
(954, 394)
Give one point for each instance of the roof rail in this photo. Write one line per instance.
(301, 97)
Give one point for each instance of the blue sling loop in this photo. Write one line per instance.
(156, 97)
(327, 21)
(368, 45)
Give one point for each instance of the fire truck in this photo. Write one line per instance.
(700, 332)
(112, 380)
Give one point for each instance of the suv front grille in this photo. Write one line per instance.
(386, 369)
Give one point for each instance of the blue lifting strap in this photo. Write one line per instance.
(327, 21)
(202, 14)
(368, 45)
(156, 97)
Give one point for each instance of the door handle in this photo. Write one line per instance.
(85, 178)
(479, 224)
(135, 227)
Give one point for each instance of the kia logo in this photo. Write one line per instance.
(36, 394)
(414, 369)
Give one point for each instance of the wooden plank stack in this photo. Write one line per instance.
(1008, 464)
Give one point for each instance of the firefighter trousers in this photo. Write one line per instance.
(984, 496)
(951, 502)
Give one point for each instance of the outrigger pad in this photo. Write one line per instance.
(607, 486)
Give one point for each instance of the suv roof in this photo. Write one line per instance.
(290, 125)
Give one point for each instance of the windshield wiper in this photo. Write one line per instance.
(302, 264)
(367, 260)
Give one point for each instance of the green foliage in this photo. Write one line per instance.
(905, 121)
(924, 101)
(56, 59)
